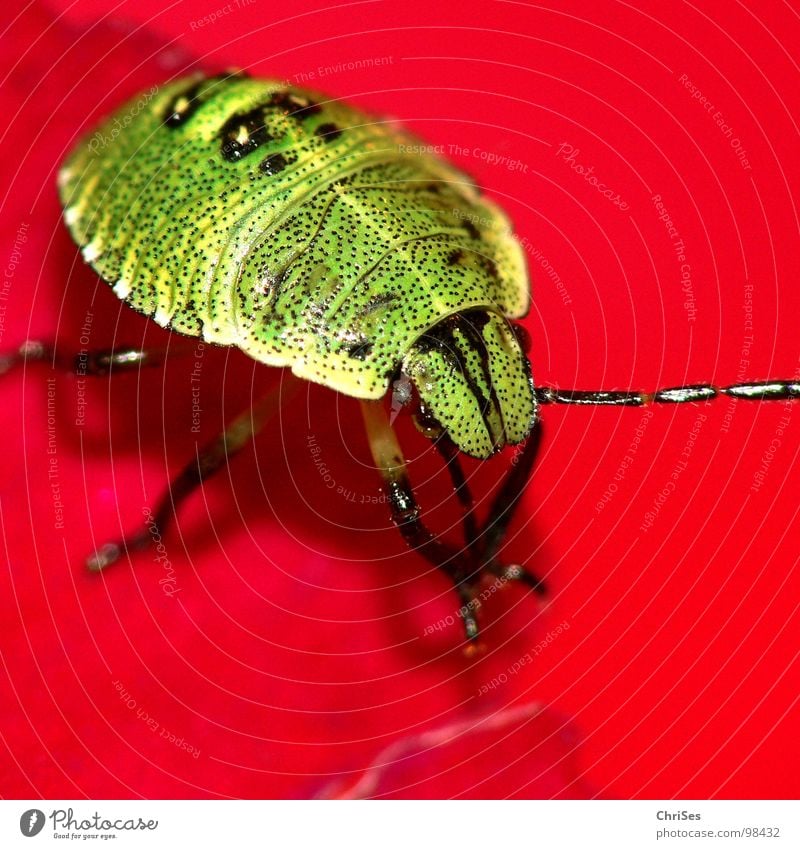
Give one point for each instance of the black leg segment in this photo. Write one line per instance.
(405, 511)
(87, 363)
(503, 508)
(213, 457)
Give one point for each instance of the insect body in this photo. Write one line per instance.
(310, 236)
(254, 215)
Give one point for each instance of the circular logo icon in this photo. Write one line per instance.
(31, 822)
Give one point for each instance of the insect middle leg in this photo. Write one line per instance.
(457, 565)
(449, 454)
(210, 459)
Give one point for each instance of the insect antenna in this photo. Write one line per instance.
(768, 390)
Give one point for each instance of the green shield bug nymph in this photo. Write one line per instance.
(257, 215)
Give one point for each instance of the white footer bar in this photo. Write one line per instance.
(401, 825)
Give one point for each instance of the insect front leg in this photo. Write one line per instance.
(504, 507)
(449, 453)
(457, 565)
(488, 540)
(97, 363)
(209, 460)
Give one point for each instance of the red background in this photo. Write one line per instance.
(295, 653)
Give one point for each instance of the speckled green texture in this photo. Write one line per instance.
(309, 235)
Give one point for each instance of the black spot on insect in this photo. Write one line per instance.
(443, 337)
(455, 257)
(431, 341)
(183, 105)
(471, 228)
(475, 318)
(273, 164)
(328, 132)
(523, 337)
(490, 267)
(360, 350)
(243, 133)
(293, 105)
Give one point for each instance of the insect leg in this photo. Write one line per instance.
(87, 363)
(30, 351)
(503, 508)
(405, 511)
(101, 363)
(213, 457)
(449, 453)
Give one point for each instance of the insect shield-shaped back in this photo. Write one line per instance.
(309, 235)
